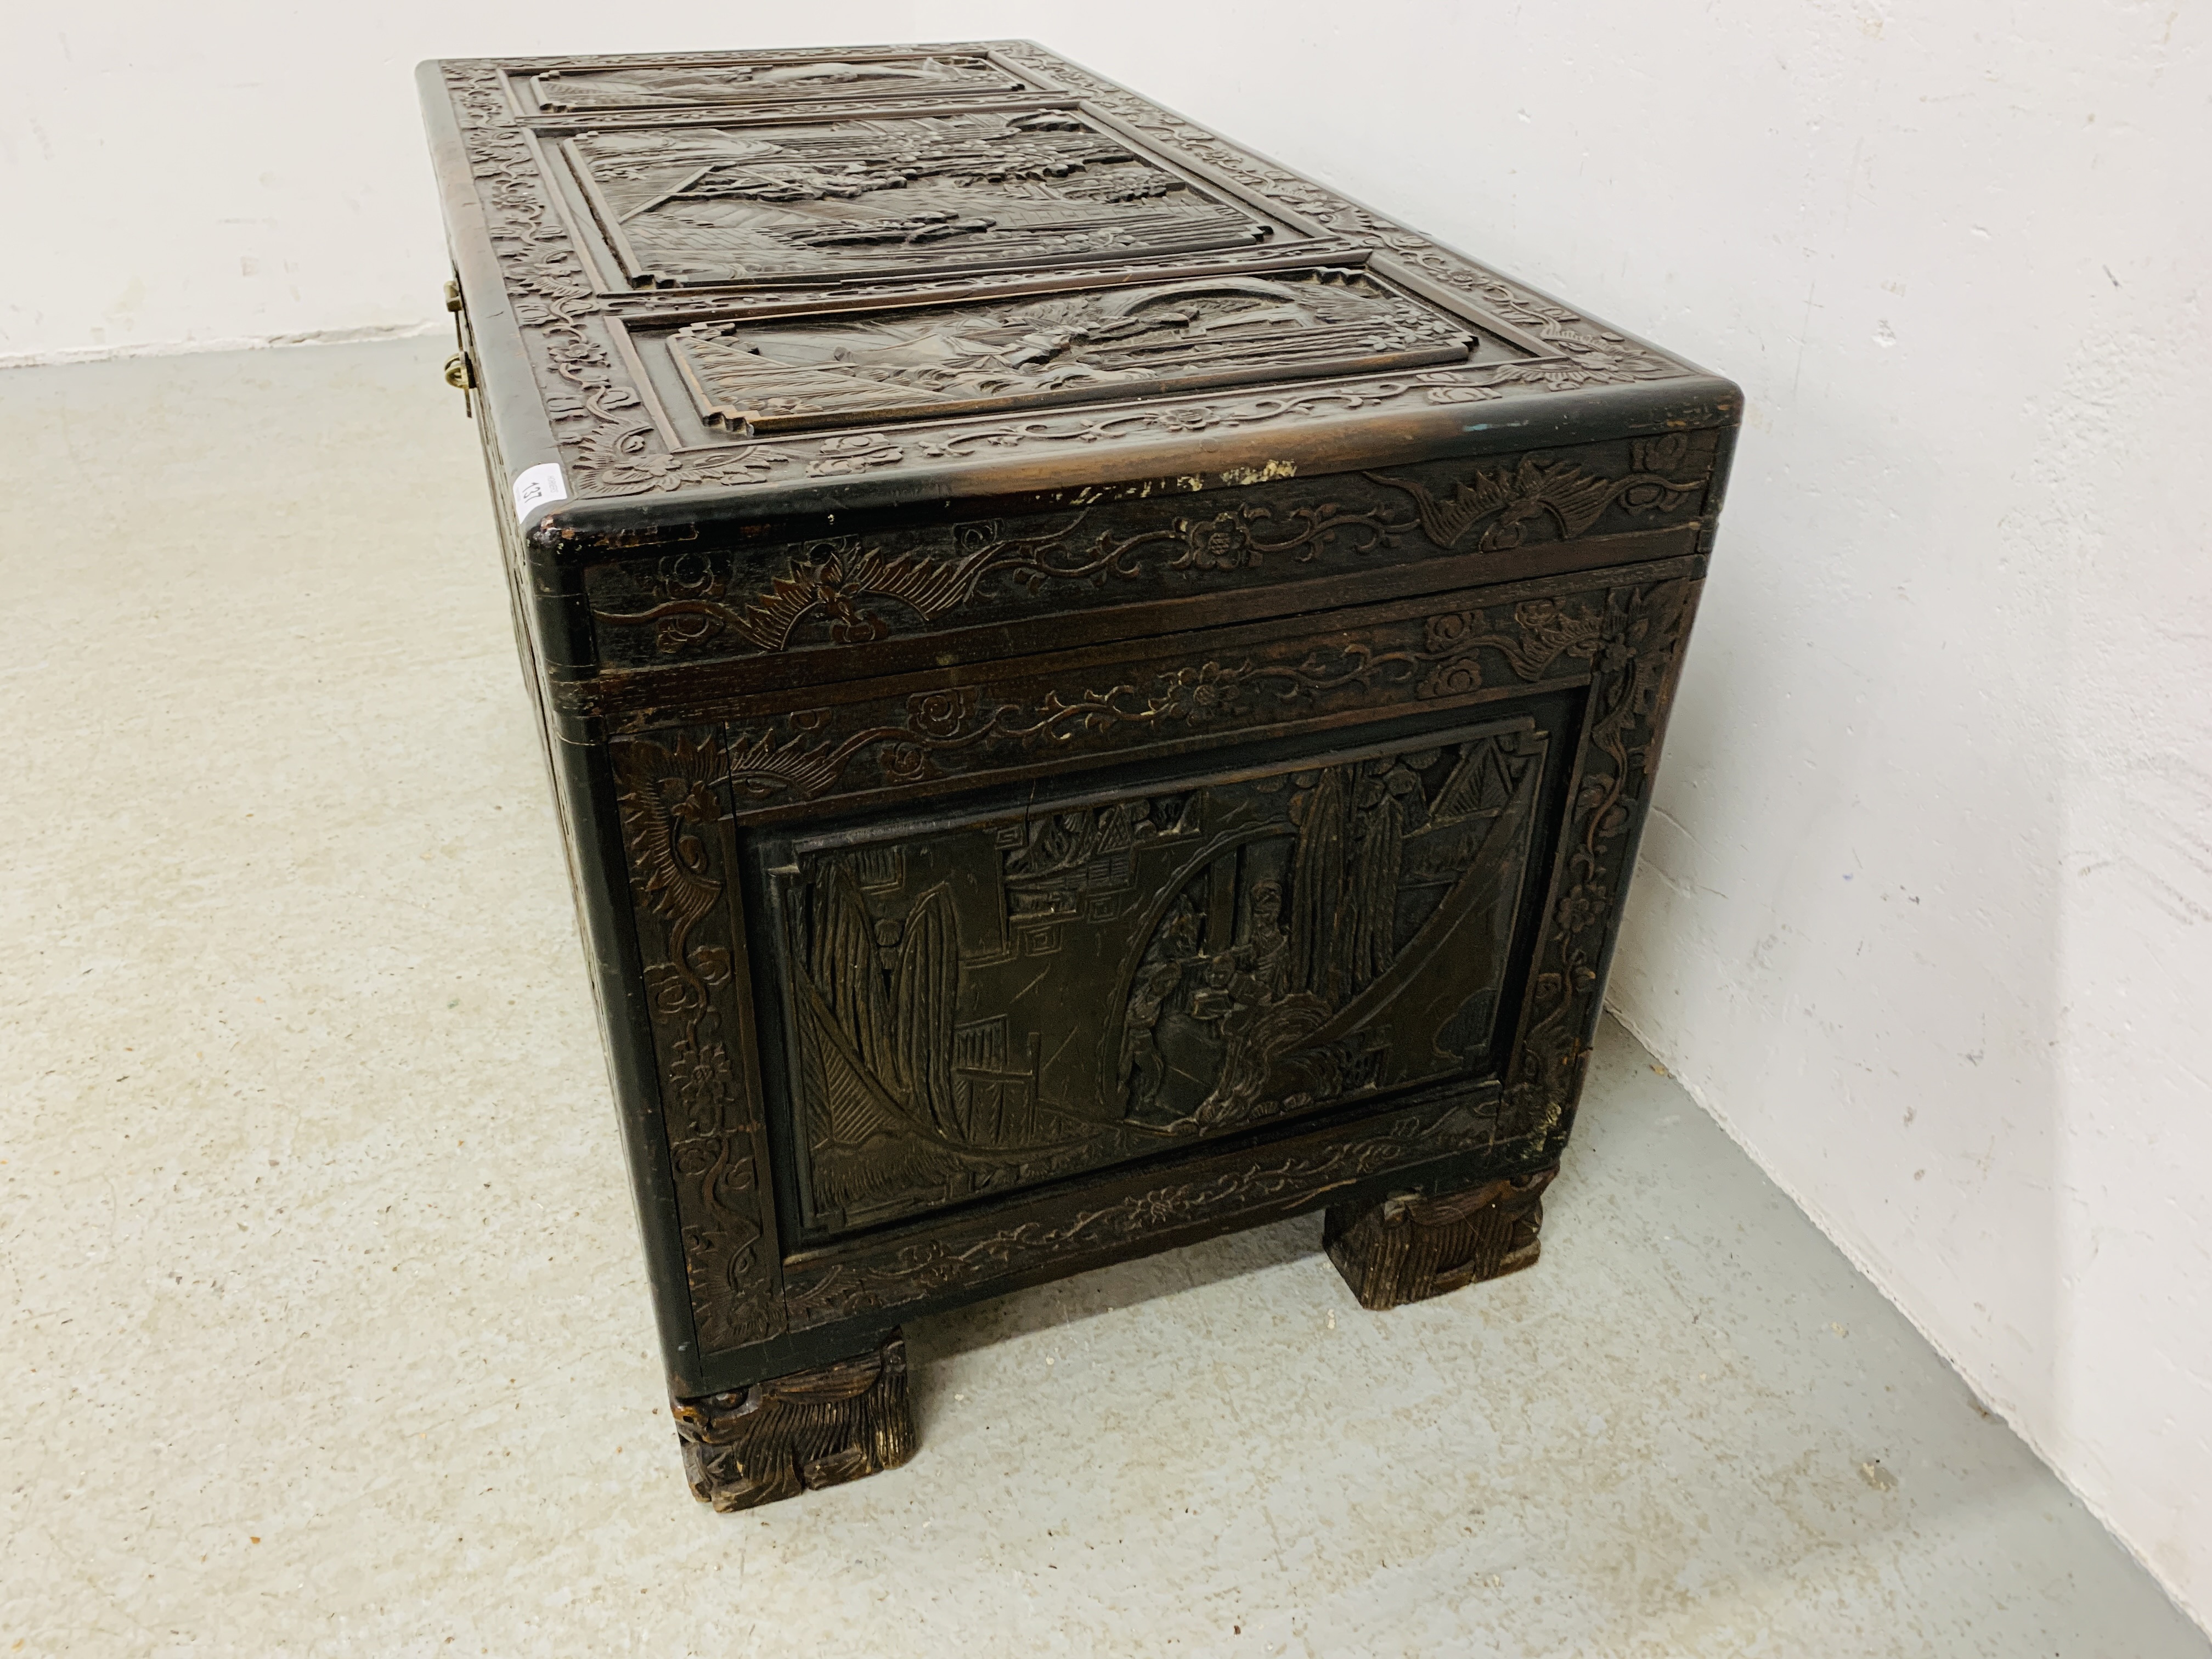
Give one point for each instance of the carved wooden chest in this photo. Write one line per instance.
(1099, 692)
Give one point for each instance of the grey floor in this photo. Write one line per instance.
(325, 1328)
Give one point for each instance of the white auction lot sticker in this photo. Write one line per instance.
(536, 487)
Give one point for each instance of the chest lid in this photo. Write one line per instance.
(738, 288)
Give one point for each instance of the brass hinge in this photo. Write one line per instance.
(454, 301)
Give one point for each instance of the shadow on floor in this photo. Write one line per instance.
(1093, 1295)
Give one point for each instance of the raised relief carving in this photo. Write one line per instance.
(662, 86)
(674, 833)
(613, 450)
(839, 578)
(798, 1432)
(853, 589)
(988, 1250)
(1511, 498)
(1014, 999)
(1123, 342)
(916, 193)
(844, 581)
(1409, 1248)
(958, 731)
(808, 758)
(1532, 638)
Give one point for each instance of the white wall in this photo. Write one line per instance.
(192, 176)
(1926, 913)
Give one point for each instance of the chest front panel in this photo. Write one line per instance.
(938, 948)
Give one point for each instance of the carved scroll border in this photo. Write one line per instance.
(613, 449)
(973, 733)
(733, 607)
(1634, 660)
(676, 830)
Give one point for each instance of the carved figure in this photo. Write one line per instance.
(1182, 965)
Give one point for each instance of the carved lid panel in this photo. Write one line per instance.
(787, 375)
(785, 282)
(762, 81)
(885, 196)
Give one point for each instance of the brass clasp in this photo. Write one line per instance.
(460, 373)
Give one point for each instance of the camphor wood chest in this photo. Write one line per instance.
(1099, 692)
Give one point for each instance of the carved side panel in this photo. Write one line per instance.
(857, 589)
(1001, 1001)
(1016, 998)
(676, 830)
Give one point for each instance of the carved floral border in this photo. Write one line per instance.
(720, 603)
(1634, 648)
(682, 860)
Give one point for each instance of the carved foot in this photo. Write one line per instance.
(776, 1439)
(1405, 1250)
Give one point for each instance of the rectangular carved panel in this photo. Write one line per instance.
(888, 195)
(768, 81)
(1018, 354)
(985, 1003)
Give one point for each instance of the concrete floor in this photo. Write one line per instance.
(325, 1332)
